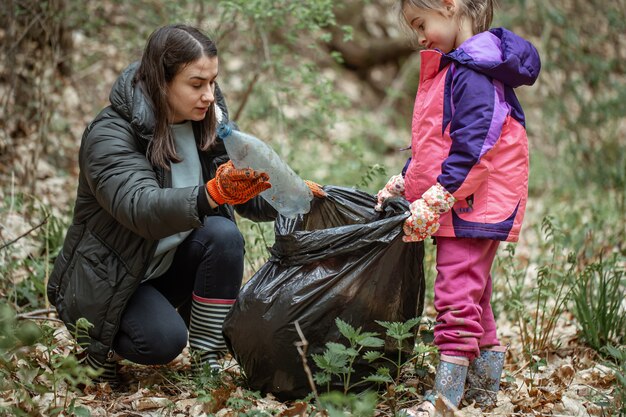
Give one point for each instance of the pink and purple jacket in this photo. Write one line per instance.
(469, 134)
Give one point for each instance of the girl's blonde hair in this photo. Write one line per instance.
(479, 11)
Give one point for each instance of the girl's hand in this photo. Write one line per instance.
(393, 188)
(236, 186)
(424, 219)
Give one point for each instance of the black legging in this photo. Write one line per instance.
(209, 262)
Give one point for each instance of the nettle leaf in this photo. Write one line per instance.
(322, 378)
(331, 361)
(379, 379)
(336, 348)
(346, 330)
(399, 330)
(319, 360)
(351, 352)
(371, 341)
(385, 324)
(412, 322)
(422, 348)
(372, 355)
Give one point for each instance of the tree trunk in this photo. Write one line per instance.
(37, 44)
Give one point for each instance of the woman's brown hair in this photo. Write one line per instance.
(168, 50)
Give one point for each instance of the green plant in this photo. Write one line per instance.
(617, 362)
(400, 332)
(29, 374)
(338, 360)
(598, 296)
(371, 174)
(30, 253)
(336, 404)
(536, 311)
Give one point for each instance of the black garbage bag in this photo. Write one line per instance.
(343, 259)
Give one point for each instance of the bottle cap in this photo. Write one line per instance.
(224, 130)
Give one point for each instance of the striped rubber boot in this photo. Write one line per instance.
(205, 331)
(108, 370)
(483, 377)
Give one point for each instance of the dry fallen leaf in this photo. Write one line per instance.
(151, 403)
(297, 409)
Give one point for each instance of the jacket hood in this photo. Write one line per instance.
(500, 54)
(127, 99)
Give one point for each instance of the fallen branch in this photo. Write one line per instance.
(36, 313)
(44, 221)
(302, 347)
(42, 318)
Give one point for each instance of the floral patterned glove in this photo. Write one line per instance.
(424, 219)
(393, 188)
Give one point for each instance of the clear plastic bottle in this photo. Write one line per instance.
(289, 194)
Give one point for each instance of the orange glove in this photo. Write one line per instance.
(236, 186)
(316, 189)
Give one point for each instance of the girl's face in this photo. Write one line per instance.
(191, 92)
(434, 28)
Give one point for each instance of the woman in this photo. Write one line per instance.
(153, 244)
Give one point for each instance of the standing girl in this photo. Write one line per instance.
(153, 258)
(467, 179)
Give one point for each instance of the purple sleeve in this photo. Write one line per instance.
(479, 111)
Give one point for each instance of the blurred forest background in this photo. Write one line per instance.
(330, 85)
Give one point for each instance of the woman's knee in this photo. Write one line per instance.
(172, 344)
(169, 345)
(151, 330)
(221, 236)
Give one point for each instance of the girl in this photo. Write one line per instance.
(153, 257)
(466, 180)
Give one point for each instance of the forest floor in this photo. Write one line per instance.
(572, 379)
(570, 382)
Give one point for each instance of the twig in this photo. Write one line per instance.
(246, 96)
(44, 221)
(302, 347)
(35, 313)
(42, 318)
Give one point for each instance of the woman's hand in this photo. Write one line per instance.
(236, 186)
(316, 189)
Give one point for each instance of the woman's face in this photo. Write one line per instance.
(191, 92)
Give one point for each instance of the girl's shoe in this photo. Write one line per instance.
(483, 377)
(449, 383)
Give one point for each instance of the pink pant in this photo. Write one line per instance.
(465, 321)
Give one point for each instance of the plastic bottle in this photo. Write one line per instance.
(289, 194)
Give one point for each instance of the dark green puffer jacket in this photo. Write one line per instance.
(123, 207)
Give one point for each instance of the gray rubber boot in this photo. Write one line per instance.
(483, 377)
(449, 383)
(450, 378)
